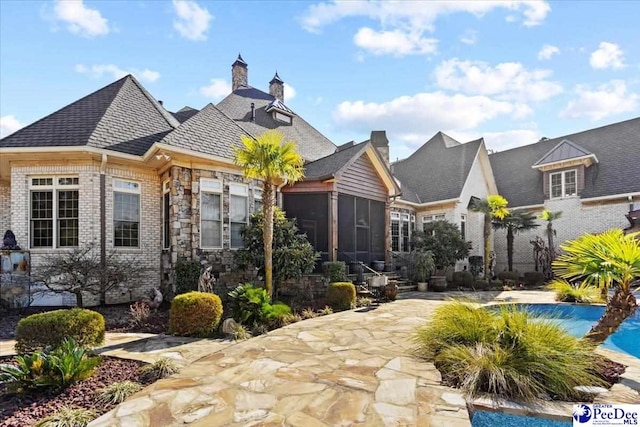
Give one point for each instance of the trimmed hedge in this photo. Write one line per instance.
(514, 276)
(195, 314)
(334, 270)
(533, 278)
(463, 278)
(42, 330)
(341, 296)
(481, 285)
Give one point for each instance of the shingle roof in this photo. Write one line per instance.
(617, 147)
(565, 150)
(237, 105)
(121, 116)
(438, 169)
(328, 166)
(184, 114)
(209, 131)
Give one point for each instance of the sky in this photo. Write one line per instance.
(511, 72)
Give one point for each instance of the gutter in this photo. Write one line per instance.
(613, 196)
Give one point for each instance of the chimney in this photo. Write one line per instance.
(276, 87)
(239, 74)
(381, 143)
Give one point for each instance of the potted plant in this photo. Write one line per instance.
(444, 241)
(423, 266)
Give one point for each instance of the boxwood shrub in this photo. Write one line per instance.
(195, 314)
(341, 296)
(533, 278)
(509, 275)
(463, 278)
(42, 330)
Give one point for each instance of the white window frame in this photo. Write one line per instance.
(257, 196)
(395, 217)
(137, 190)
(166, 191)
(563, 182)
(433, 217)
(463, 220)
(212, 186)
(54, 188)
(239, 190)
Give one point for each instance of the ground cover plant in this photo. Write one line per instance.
(507, 352)
(579, 292)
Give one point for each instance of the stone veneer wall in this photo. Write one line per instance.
(148, 254)
(5, 209)
(185, 219)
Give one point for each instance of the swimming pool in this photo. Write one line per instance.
(497, 419)
(578, 319)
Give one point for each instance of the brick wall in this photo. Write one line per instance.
(5, 209)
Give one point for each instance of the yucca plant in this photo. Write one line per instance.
(70, 363)
(607, 260)
(68, 417)
(580, 292)
(159, 369)
(118, 392)
(29, 373)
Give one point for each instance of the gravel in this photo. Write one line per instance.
(23, 410)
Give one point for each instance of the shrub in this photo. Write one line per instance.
(481, 285)
(29, 373)
(140, 313)
(187, 275)
(35, 332)
(509, 275)
(161, 368)
(444, 240)
(68, 417)
(476, 265)
(341, 296)
(308, 313)
(463, 278)
(533, 278)
(334, 271)
(507, 351)
(246, 303)
(580, 293)
(241, 333)
(118, 392)
(195, 313)
(325, 311)
(363, 302)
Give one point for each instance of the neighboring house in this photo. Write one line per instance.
(592, 177)
(438, 182)
(117, 170)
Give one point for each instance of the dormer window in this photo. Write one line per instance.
(282, 117)
(280, 112)
(563, 184)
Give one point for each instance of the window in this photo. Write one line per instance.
(401, 227)
(54, 212)
(395, 231)
(126, 214)
(210, 213)
(430, 218)
(257, 200)
(282, 117)
(405, 232)
(166, 210)
(238, 198)
(563, 184)
(463, 226)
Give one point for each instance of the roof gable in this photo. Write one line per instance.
(563, 152)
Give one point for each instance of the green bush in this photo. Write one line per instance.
(509, 275)
(161, 368)
(195, 314)
(118, 392)
(533, 278)
(463, 278)
(250, 306)
(341, 296)
(481, 285)
(476, 265)
(334, 270)
(506, 351)
(50, 329)
(187, 275)
(580, 293)
(68, 417)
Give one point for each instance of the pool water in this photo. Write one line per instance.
(578, 319)
(497, 419)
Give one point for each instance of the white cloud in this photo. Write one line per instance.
(507, 80)
(98, 70)
(289, 92)
(193, 20)
(395, 42)
(606, 100)
(80, 19)
(8, 125)
(548, 51)
(499, 141)
(469, 37)
(608, 55)
(218, 89)
(416, 15)
(414, 119)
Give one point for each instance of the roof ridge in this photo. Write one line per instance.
(338, 152)
(171, 121)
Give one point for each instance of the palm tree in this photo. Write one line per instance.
(551, 232)
(493, 207)
(516, 222)
(270, 159)
(607, 260)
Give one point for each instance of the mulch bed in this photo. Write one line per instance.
(23, 410)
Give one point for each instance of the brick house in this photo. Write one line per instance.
(117, 170)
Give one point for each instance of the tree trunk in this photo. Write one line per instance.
(79, 302)
(621, 306)
(487, 245)
(510, 248)
(267, 235)
(552, 250)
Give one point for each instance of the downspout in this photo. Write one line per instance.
(103, 216)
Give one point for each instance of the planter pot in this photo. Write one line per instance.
(378, 265)
(422, 286)
(438, 283)
(391, 291)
